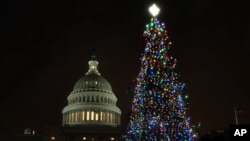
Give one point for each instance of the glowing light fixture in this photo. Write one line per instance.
(53, 138)
(154, 10)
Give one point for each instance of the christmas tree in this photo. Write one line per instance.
(159, 107)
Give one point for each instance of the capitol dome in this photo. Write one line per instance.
(92, 101)
(92, 82)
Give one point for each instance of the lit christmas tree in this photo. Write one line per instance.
(159, 106)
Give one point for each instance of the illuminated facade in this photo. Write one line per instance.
(92, 107)
(91, 113)
(92, 101)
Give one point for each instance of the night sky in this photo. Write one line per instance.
(46, 45)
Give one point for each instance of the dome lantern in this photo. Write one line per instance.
(93, 64)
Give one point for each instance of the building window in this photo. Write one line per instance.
(111, 118)
(92, 115)
(101, 116)
(76, 116)
(83, 114)
(92, 139)
(69, 117)
(107, 117)
(96, 116)
(112, 138)
(84, 138)
(104, 116)
(73, 117)
(87, 115)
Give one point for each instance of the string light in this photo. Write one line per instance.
(159, 106)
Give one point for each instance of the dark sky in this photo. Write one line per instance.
(45, 47)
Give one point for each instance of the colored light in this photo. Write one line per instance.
(158, 96)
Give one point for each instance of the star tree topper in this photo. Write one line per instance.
(154, 10)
